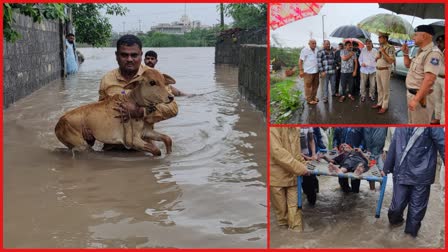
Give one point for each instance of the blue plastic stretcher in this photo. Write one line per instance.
(320, 168)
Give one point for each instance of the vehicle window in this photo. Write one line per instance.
(414, 51)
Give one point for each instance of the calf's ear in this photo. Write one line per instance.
(169, 79)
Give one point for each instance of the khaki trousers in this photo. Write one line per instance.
(284, 201)
(421, 115)
(311, 82)
(439, 99)
(371, 78)
(383, 87)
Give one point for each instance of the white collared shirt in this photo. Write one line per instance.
(368, 57)
(309, 59)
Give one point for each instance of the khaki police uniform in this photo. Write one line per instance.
(383, 77)
(428, 60)
(439, 93)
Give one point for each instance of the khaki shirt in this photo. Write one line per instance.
(286, 157)
(429, 59)
(113, 83)
(390, 50)
(442, 65)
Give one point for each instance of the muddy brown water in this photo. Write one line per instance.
(341, 220)
(210, 192)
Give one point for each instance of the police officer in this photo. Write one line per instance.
(423, 72)
(384, 60)
(412, 158)
(439, 86)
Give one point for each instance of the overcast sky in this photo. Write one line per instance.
(152, 14)
(297, 34)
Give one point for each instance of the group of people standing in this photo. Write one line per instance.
(348, 70)
(410, 154)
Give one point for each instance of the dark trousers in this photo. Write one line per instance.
(310, 187)
(346, 84)
(343, 182)
(415, 197)
(338, 79)
(357, 83)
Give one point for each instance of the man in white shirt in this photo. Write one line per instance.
(368, 70)
(309, 72)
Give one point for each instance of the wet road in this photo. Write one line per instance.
(355, 112)
(210, 192)
(341, 220)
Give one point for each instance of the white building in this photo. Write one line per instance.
(178, 27)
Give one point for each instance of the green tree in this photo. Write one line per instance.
(37, 12)
(247, 16)
(91, 26)
(195, 38)
(287, 56)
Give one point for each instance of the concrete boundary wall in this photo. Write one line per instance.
(34, 60)
(252, 74)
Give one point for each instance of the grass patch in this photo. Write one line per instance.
(285, 99)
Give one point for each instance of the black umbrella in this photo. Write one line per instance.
(349, 31)
(439, 28)
(421, 10)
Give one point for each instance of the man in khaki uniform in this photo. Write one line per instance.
(439, 87)
(423, 72)
(286, 164)
(384, 60)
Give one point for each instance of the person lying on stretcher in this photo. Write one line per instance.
(350, 160)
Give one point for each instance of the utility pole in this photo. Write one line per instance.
(323, 32)
(123, 27)
(222, 15)
(139, 25)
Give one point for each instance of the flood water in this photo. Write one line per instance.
(341, 220)
(209, 192)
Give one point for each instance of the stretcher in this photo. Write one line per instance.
(321, 168)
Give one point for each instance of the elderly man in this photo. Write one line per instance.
(412, 159)
(439, 86)
(308, 70)
(327, 69)
(384, 60)
(368, 70)
(423, 72)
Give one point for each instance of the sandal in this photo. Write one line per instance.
(341, 99)
(312, 102)
(363, 99)
(351, 97)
